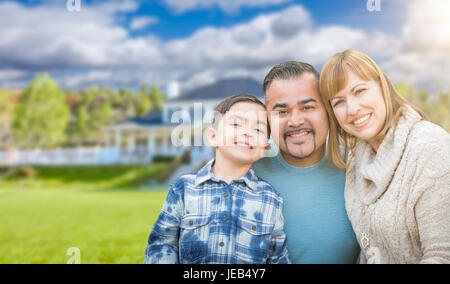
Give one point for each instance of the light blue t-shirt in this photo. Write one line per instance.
(316, 223)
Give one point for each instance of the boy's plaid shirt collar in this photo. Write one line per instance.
(206, 174)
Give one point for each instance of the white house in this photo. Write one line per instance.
(139, 140)
(143, 138)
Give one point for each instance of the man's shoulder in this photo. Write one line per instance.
(266, 163)
(266, 189)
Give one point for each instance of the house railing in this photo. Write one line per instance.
(93, 156)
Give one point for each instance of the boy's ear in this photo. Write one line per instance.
(212, 137)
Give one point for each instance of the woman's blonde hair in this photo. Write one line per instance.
(334, 78)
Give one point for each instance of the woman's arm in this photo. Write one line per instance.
(432, 206)
(433, 220)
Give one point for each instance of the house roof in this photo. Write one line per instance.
(153, 117)
(216, 91)
(222, 89)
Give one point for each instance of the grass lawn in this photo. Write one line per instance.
(41, 218)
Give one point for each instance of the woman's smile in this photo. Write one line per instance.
(361, 121)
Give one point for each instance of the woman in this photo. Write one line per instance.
(398, 164)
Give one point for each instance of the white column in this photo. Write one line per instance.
(108, 139)
(132, 141)
(165, 145)
(117, 139)
(151, 143)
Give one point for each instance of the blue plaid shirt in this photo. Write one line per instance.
(206, 220)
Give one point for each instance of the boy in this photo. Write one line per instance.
(224, 213)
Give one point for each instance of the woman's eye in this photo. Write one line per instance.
(359, 91)
(235, 124)
(336, 103)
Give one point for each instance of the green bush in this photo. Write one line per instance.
(26, 172)
(110, 176)
(163, 159)
(170, 169)
(186, 158)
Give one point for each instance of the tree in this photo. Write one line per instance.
(156, 98)
(82, 122)
(441, 112)
(6, 109)
(437, 108)
(41, 115)
(144, 102)
(101, 116)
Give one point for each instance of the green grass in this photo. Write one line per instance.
(41, 218)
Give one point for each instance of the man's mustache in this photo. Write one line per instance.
(290, 131)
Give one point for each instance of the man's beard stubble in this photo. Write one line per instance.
(287, 147)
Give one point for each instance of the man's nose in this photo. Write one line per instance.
(296, 119)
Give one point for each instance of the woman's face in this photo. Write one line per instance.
(360, 109)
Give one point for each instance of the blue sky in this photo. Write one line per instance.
(172, 23)
(126, 43)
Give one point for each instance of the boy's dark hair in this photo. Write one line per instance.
(224, 106)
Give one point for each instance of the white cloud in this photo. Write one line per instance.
(86, 79)
(228, 6)
(139, 23)
(116, 6)
(267, 40)
(423, 56)
(61, 39)
(93, 45)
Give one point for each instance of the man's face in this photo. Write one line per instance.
(297, 117)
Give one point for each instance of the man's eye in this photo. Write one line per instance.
(282, 112)
(308, 107)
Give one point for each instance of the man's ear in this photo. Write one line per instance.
(212, 137)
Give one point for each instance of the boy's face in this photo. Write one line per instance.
(242, 133)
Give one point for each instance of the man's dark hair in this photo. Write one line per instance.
(288, 70)
(224, 106)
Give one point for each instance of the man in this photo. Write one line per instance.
(316, 223)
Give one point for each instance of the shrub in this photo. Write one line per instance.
(163, 159)
(26, 172)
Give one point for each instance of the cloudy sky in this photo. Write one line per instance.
(126, 43)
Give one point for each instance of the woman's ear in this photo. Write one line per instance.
(212, 137)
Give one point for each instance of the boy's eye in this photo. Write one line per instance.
(259, 130)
